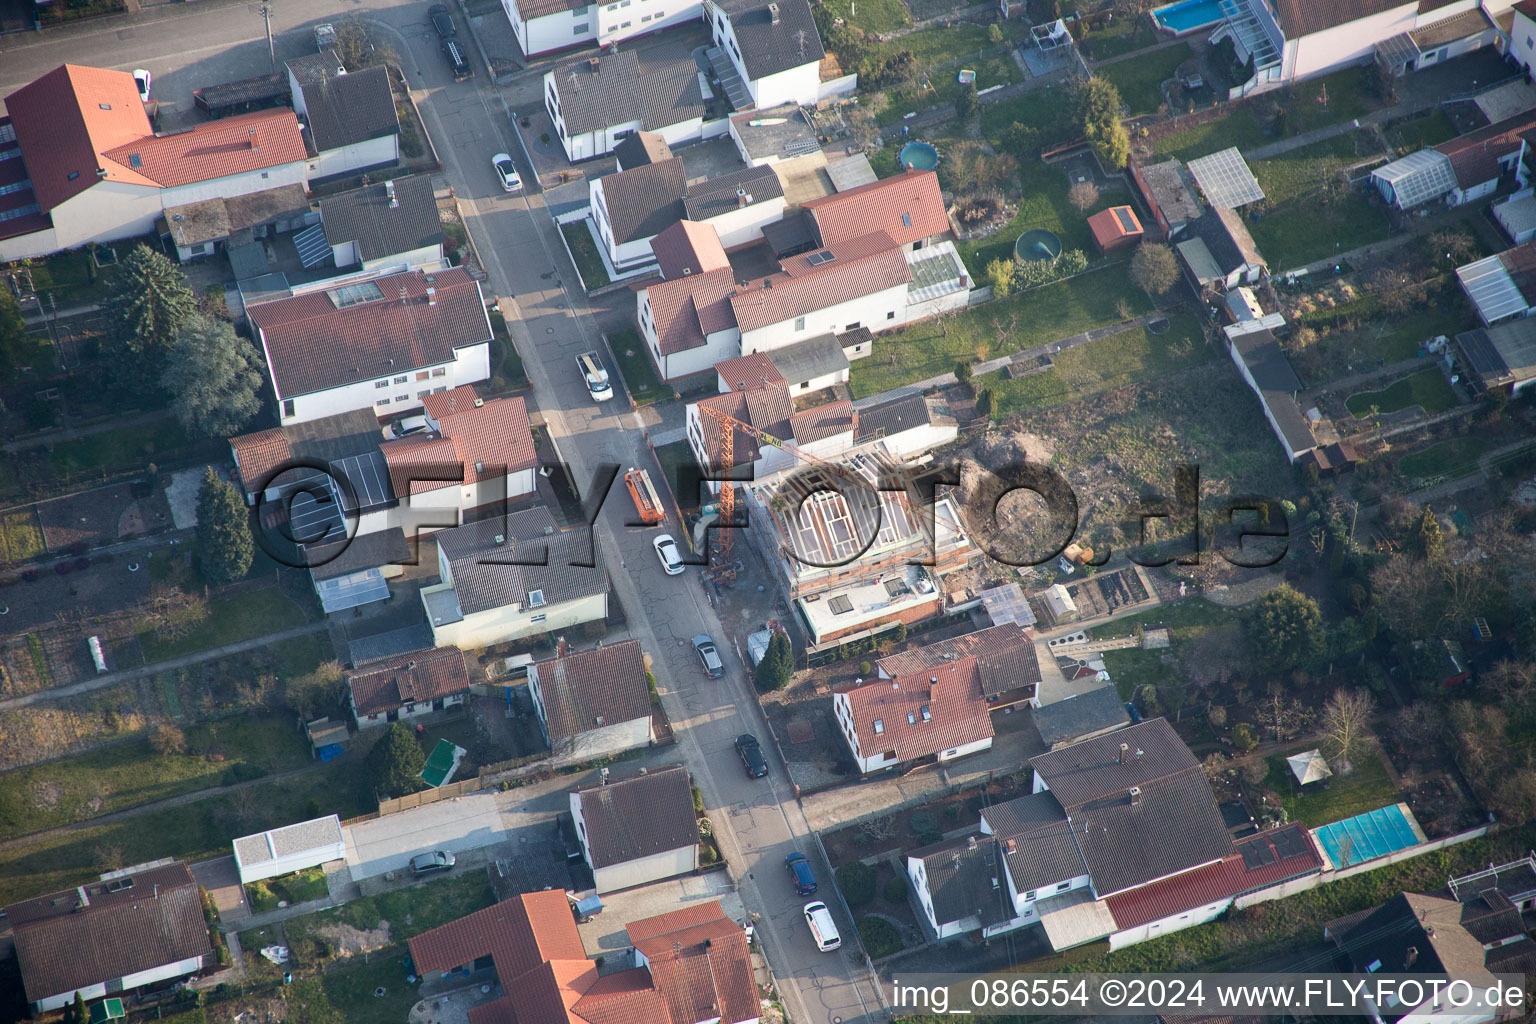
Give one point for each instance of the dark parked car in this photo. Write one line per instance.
(432, 863)
(800, 873)
(458, 60)
(442, 21)
(709, 657)
(752, 755)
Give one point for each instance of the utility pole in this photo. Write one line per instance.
(265, 10)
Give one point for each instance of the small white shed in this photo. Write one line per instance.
(282, 851)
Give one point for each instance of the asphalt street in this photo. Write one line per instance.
(758, 821)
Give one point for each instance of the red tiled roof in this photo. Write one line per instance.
(67, 119)
(688, 248)
(767, 407)
(700, 963)
(408, 679)
(957, 710)
(861, 266)
(906, 206)
(494, 434)
(1114, 224)
(628, 997)
(821, 422)
(754, 370)
(1228, 877)
(1475, 156)
(259, 455)
(520, 934)
(422, 462)
(688, 309)
(312, 345)
(216, 149)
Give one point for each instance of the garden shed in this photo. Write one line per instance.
(282, 851)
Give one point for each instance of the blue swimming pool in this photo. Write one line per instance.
(1188, 15)
(1368, 836)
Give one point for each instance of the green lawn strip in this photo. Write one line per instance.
(1099, 366)
(128, 774)
(942, 87)
(352, 990)
(114, 450)
(1426, 389)
(1139, 78)
(1132, 668)
(1454, 458)
(1184, 619)
(1239, 128)
(1307, 230)
(1271, 930)
(1401, 337)
(195, 831)
(1345, 101)
(870, 15)
(302, 654)
(70, 277)
(39, 660)
(23, 537)
(589, 262)
(938, 45)
(1364, 789)
(1300, 171)
(510, 369)
(409, 911)
(629, 350)
(232, 618)
(1413, 134)
(1122, 35)
(1043, 109)
(298, 887)
(1043, 204)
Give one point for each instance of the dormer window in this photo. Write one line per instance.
(879, 726)
(135, 160)
(105, 106)
(906, 220)
(911, 718)
(927, 715)
(535, 599)
(73, 175)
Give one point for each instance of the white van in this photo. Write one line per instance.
(823, 928)
(591, 366)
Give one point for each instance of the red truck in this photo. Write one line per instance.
(643, 493)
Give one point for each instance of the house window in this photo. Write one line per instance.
(264, 174)
(906, 220)
(1063, 886)
(401, 380)
(423, 394)
(538, 618)
(440, 389)
(287, 407)
(583, 27)
(853, 326)
(879, 726)
(911, 718)
(626, 24)
(422, 375)
(441, 371)
(381, 384)
(799, 323)
(382, 401)
(402, 398)
(889, 316)
(1029, 897)
(535, 599)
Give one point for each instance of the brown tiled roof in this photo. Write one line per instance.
(422, 462)
(860, 267)
(957, 711)
(700, 963)
(767, 407)
(642, 148)
(590, 689)
(1005, 657)
(643, 201)
(155, 920)
(753, 370)
(1475, 156)
(688, 309)
(67, 119)
(1303, 17)
(259, 455)
(495, 434)
(1111, 225)
(822, 421)
(688, 248)
(215, 149)
(408, 679)
(312, 345)
(639, 815)
(905, 206)
(1527, 8)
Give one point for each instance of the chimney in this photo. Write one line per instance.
(970, 842)
(773, 12)
(561, 649)
(479, 403)
(592, 64)
(389, 190)
(101, 172)
(1125, 749)
(933, 680)
(431, 296)
(1135, 792)
(1412, 957)
(255, 142)
(742, 199)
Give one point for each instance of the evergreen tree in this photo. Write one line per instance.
(149, 305)
(967, 104)
(1424, 540)
(395, 762)
(1284, 629)
(1096, 109)
(78, 1014)
(214, 375)
(224, 546)
(16, 349)
(778, 663)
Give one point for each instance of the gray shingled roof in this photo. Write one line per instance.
(349, 109)
(590, 689)
(644, 201)
(639, 815)
(365, 216)
(483, 580)
(1080, 715)
(809, 359)
(1036, 841)
(772, 44)
(706, 199)
(616, 92)
(965, 879)
(892, 416)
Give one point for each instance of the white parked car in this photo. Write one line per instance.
(510, 181)
(144, 80)
(666, 550)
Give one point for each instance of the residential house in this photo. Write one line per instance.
(1082, 716)
(1471, 939)
(738, 205)
(384, 343)
(350, 120)
(390, 223)
(908, 425)
(687, 248)
(1115, 229)
(1522, 33)
(774, 135)
(544, 26)
(692, 965)
(1464, 169)
(282, 851)
(596, 102)
(211, 225)
(408, 686)
(909, 207)
(812, 365)
(505, 579)
(773, 46)
(1221, 253)
(1006, 662)
(137, 928)
(937, 713)
(632, 207)
(86, 166)
(593, 703)
(1499, 358)
(1501, 286)
(639, 149)
(637, 829)
(961, 885)
(1268, 372)
(1171, 196)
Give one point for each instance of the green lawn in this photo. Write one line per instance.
(114, 451)
(589, 262)
(1301, 172)
(1400, 337)
(1185, 620)
(1454, 458)
(70, 277)
(1426, 389)
(1364, 789)
(1345, 101)
(21, 537)
(409, 911)
(1138, 78)
(1412, 134)
(1100, 366)
(1239, 128)
(870, 15)
(1307, 230)
(1043, 109)
(230, 619)
(72, 789)
(1120, 36)
(1043, 205)
(942, 87)
(1035, 317)
(937, 46)
(1131, 668)
(299, 887)
(629, 350)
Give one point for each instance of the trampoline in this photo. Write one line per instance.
(918, 156)
(442, 763)
(1368, 836)
(1036, 246)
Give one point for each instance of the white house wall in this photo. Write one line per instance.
(552, 31)
(471, 365)
(625, 19)
(604, 741)
(498, 625)
(356, 157)
(1351, 43)
(918, 440)
(425, 256)
(667, 864)
(635, 251)
(22, 247)
(717, 347)
(106, 212)
(1166, 925)
(129, 982)
(744, 225)
(801, 85)
(1522, 41)
(876, 311)
(293, 862)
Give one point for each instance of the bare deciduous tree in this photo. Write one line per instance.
(1346, 722)
(1083, 195)
(1283, 717)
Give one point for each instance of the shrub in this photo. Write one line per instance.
(880, 937)
(1217, 717)
(167, 739)
(896, 888)
(1243, 736)
(857, 881)
(1001, 274)
(866, 669)
(926, 827)
(242, 772)
(698, 800)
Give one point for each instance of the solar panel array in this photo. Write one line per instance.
(1225, 179)
(318, 514)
